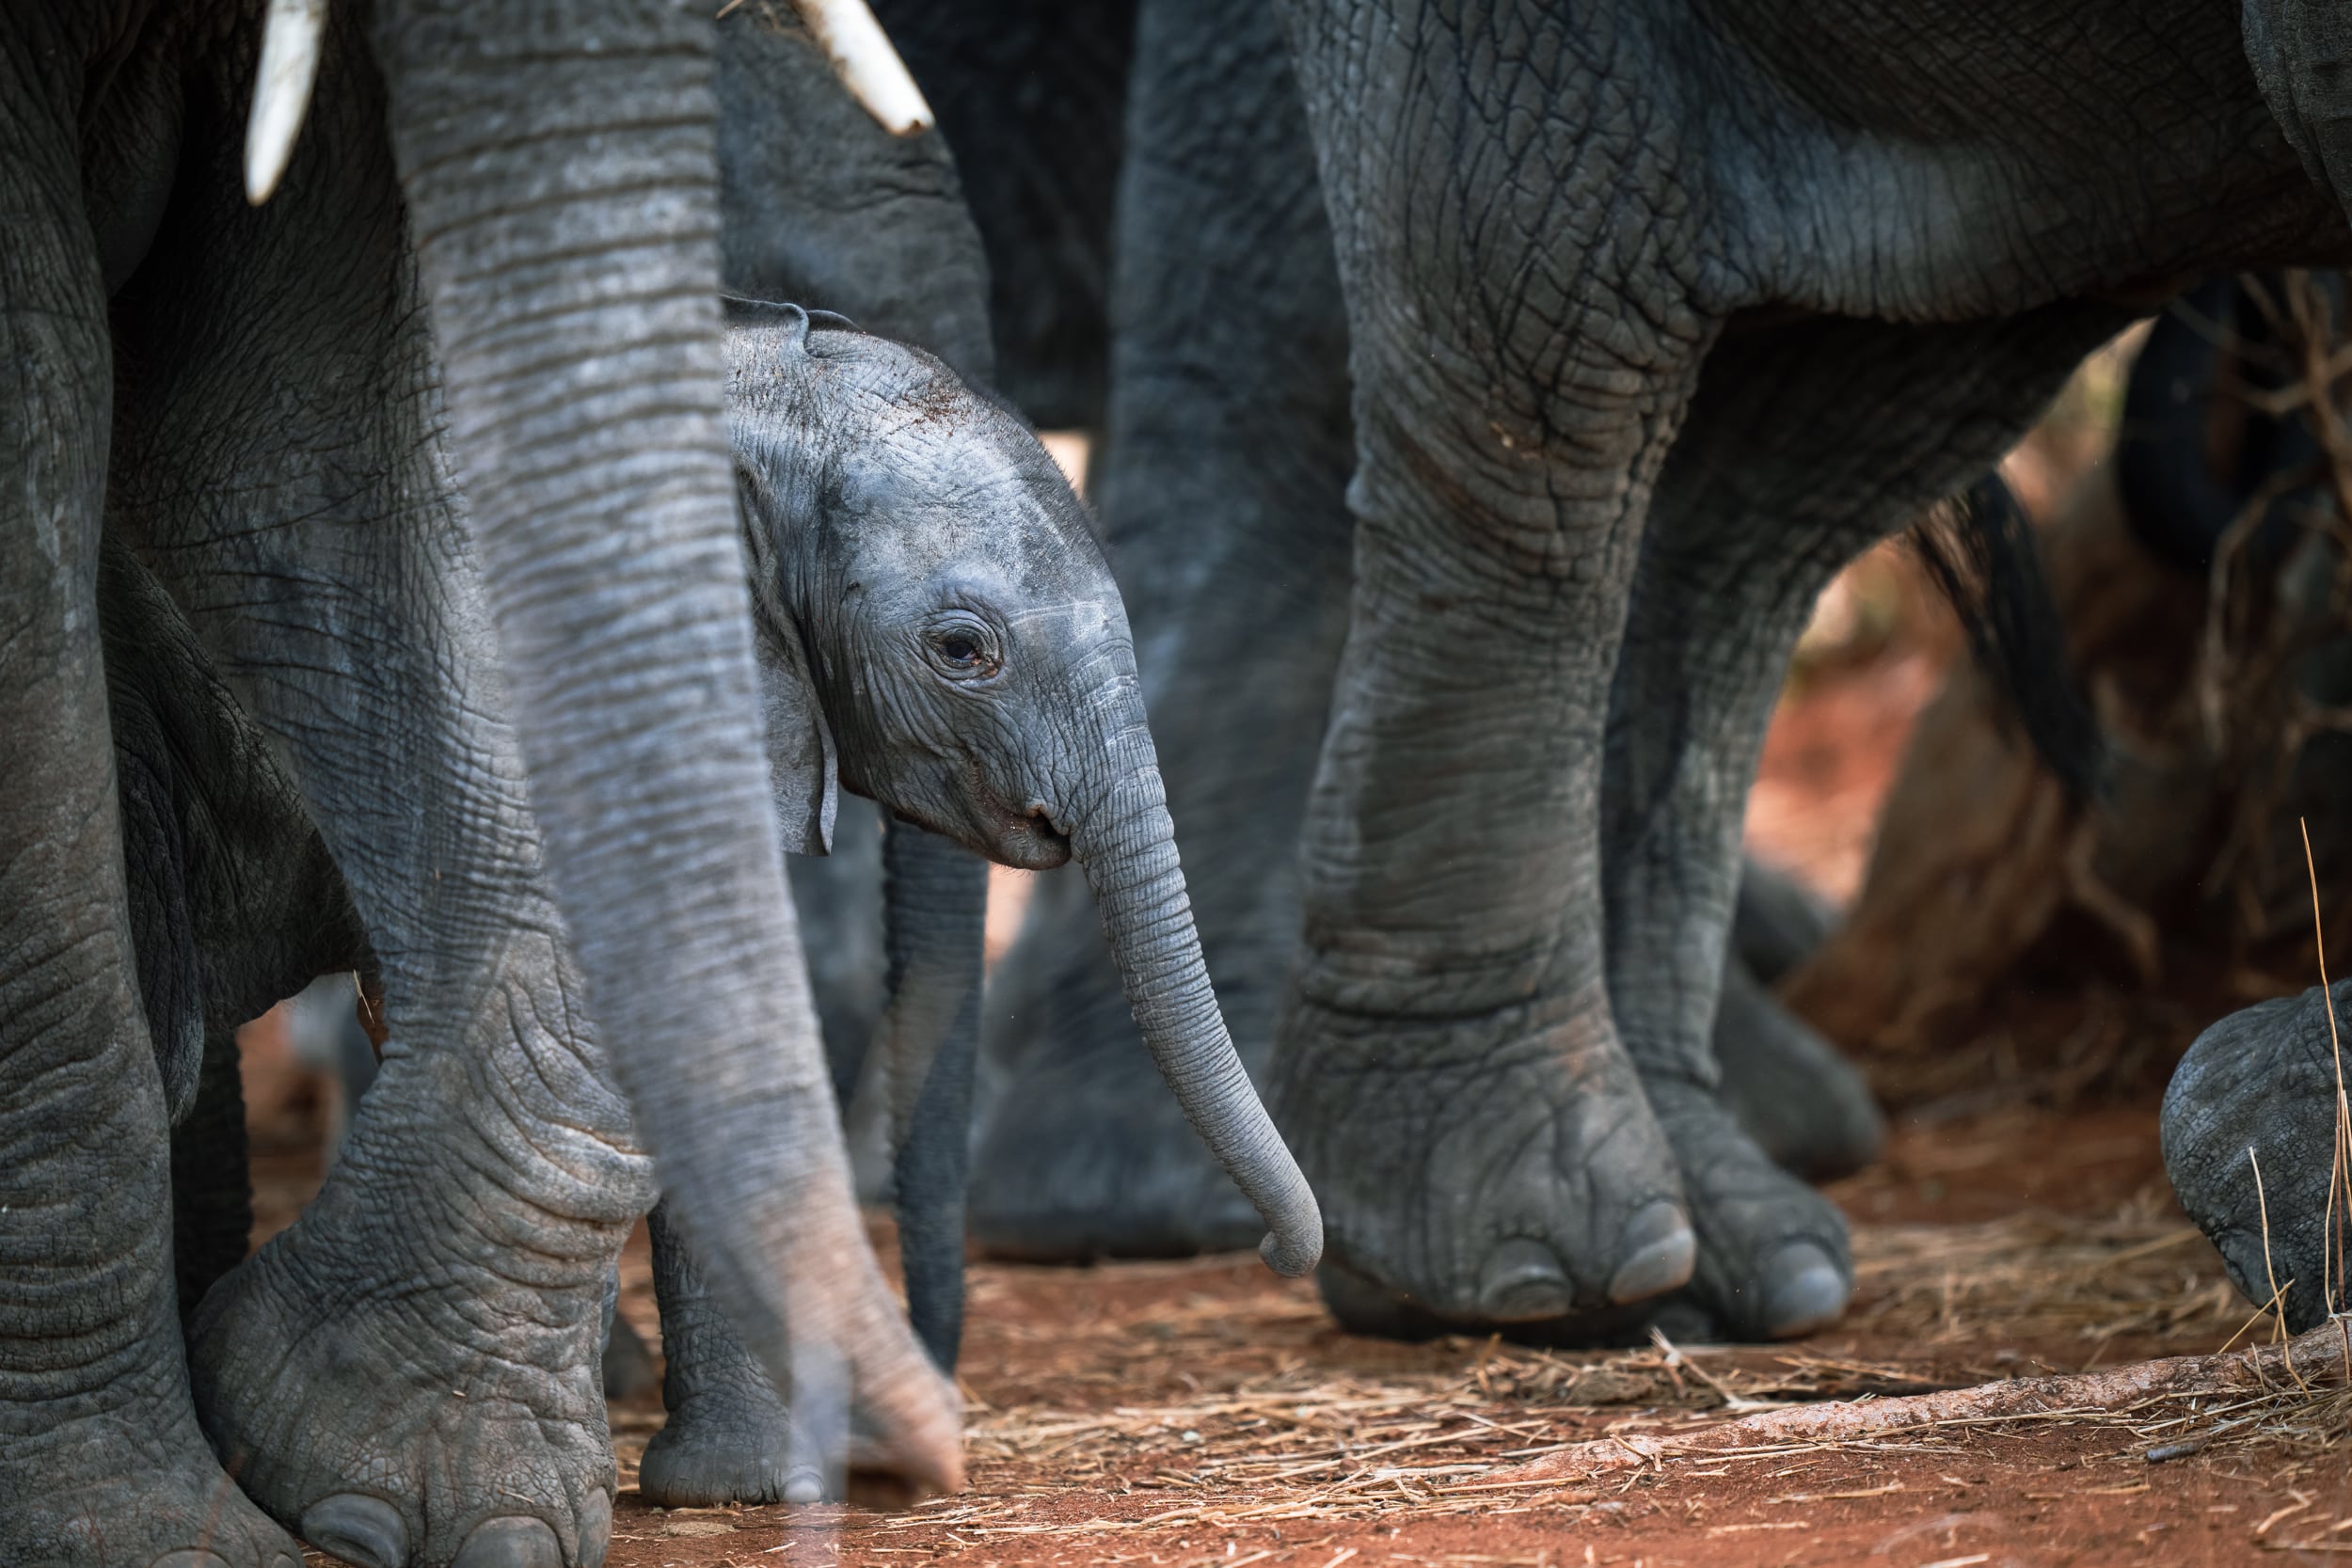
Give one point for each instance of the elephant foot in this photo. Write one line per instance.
(1089, 1157)
(1502, 1175)
(729, 1441)
(138, 1489)
(1774, 1258)
(2260, 1088)
(412, 1416)
(1789, 1088)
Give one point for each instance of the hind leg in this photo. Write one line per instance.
(1806, 443)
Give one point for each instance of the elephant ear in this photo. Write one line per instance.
(800, 765)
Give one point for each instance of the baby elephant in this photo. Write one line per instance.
(940, 632)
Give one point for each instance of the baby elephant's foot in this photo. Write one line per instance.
(1773, 1259)
(2259, 1088)
(124, 1490)
(408, 1416)
(1502, 1173)
(730, 1437)
(729, 1441)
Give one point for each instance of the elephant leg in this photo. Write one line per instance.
(937, 906)
(1221, 493)
(1805, 443)
(727, 1437)
(1777, 922)
(2251, 1142)
(1786, 1086)
(410, 1372)
(838, 897)
(1448, 1068)
(1790, 1090)
(212, 1191)
(101, 1456)
(625, 1361)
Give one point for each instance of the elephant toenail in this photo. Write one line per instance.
(192, 1559)
(804, 1486)
(595, 1530)
(1658, 1249)
(358, 1528)
(510, 1543)
(285, 1559)
(1803, 1290)
(1522, 1281)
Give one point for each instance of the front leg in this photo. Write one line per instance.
(1449, 1068)
(729, 1435)
(1807, 442)
(102, 1461)
(408, 1374)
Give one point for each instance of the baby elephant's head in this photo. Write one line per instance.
(924, 573)
(938, 631)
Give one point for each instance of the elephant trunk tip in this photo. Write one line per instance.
(1294, 1251)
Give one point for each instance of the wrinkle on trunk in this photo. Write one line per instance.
(565, 210)
(1127, 846)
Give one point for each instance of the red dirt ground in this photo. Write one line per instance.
(1206, 1413)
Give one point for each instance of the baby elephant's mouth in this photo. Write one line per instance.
(1030, 841)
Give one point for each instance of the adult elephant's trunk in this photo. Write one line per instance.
(562, 183)
(1122, 836)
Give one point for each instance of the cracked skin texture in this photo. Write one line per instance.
(1649, 306)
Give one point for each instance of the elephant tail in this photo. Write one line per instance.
(1982, 555)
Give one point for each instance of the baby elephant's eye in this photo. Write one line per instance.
(963, 646)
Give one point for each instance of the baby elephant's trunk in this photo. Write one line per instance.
(1123, 838)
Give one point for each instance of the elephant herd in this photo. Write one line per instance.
(447, 537)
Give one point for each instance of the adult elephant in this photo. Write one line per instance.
(1658, 312)
(490, 261)
(1222, 497)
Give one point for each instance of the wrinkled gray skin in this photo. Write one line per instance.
(271, 408)
(1031, 94)
(1830, 264)
(1745, 288)
(1221, 496)
(2258, 1089)
(823, 207)
(876, 485)
(821, 204)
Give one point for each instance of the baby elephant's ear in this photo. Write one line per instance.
(800, 765)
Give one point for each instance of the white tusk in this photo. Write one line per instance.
(868, 65)
(281, 92)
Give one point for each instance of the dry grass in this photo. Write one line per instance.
(1278, 1418)
(2144, 1274)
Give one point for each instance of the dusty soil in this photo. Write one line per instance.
(1207, 1413)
